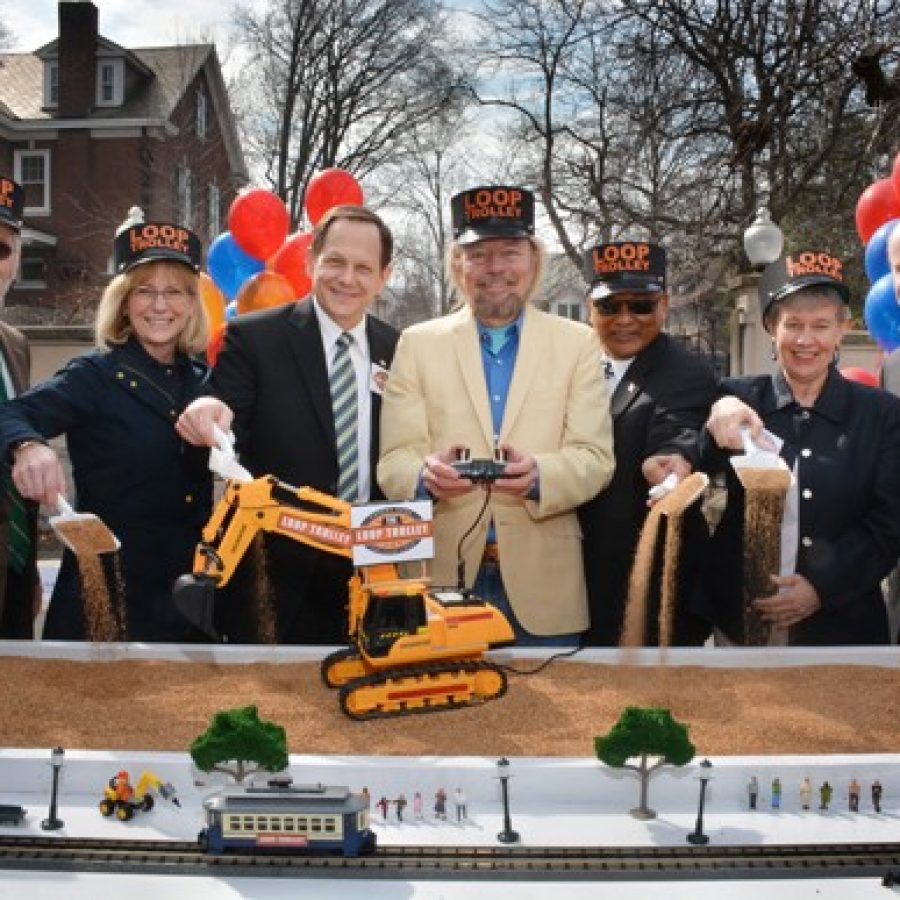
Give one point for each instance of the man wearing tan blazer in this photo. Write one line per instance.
(501, 375)
(19, 583)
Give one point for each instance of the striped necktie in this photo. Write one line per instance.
(344, 406)
(19, 526)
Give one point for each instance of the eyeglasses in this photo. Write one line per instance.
(170, 295)
(6, 251)
(610, 306)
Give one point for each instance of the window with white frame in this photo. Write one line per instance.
(110, 82)
(31, 168)
(184, 196)
(51, 83)
(202, 115)
(569, 310)
(214, 212)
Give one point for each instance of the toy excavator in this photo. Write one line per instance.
(412, 650)
(123, 800)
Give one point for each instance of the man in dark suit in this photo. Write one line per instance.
(660, 396)
(19, 582)
(274, 374)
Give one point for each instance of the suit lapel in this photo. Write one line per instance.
(634, 382)
(305, 341)
(468, 355)
(528, 363)
(16, 360)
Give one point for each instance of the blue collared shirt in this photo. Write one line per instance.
(499, 349)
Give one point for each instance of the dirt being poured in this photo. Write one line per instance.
(263, 603)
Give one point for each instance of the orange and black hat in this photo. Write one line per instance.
(635, 266)
(153, 241)
(796, 271)
(12, 203)
(492, 212)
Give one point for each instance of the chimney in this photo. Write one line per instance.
(77, 58)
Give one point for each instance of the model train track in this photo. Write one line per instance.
(415, 863)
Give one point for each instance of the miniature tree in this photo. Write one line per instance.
(240, 738)
(641, 733)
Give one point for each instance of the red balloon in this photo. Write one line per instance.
(877, 204)
(263, 291)
(863, 376)
(258, 221)
(331, 187)
(895, 175)
(290, 261)
(214, 344)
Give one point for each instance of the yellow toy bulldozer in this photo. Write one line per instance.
(123, 800)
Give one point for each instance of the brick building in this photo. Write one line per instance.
(91, 129)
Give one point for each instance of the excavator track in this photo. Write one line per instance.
(341, 667)
(422, 689)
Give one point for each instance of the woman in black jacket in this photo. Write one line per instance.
(841, 532)
(117, 406)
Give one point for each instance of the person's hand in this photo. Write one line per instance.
(726, 419)
(441, 479)
(657, 468)
(795, 601)
(521, 473)
(195, 424)
(37, 473)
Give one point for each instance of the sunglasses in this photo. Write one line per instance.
(5, 251)
(610, 306)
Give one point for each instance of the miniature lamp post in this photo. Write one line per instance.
(507, 836)
(763, 240)
(53, 822)
(697, 836)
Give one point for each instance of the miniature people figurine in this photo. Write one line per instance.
(776, 793)
(440, 804)
(417, 806)
(825, 793)
(805, 793)
(753, 791)
(383, 806)
(367, 797)
(853, 795)
(401, 805)
(459, 798)
(876, 795)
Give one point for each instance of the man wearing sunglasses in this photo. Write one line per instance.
(660, 396)
(19, 584)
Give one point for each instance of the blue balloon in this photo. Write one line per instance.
(228, 265)
(877, 263)
(882, 313)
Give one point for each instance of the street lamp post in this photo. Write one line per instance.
(763, 240)
(507, 836)
(53, 822)
(697, 836)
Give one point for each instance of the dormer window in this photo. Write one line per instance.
(202, 121)
(110, 82)
(51, 84)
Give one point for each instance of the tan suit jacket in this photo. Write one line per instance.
(557, 410)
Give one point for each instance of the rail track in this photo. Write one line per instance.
(417, 863)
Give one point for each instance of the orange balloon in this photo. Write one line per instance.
(213, 301)
(214, 344)
(263, 291)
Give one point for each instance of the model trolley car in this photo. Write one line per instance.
(280, 817)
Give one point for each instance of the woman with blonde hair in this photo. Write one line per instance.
(117, 406)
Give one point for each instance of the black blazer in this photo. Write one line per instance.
(273, 374)
(847, 452)
(659, 406)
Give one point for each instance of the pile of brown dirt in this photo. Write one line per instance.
(163, 705)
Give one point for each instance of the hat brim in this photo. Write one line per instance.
(806, 281)
(474, 235)
(8, 219)
(160, 254)
(606, 289)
